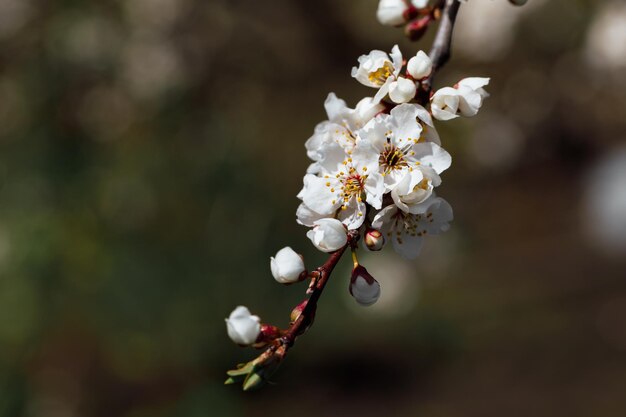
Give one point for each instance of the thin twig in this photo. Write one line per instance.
(440, 51)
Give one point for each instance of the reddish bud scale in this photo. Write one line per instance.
(410, 13)
(417, 28)
(297, 311)
(268, 333)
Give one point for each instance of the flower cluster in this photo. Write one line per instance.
(372, 177)
(376, 167)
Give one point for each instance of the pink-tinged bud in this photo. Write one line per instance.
(417, 28)
(297, 311)
(267, 334)
(373, 239)
(363, 287)
(411, 13)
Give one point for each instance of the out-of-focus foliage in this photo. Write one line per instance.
(150, 153)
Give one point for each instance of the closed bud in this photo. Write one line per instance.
(243, 328)
(328, 235)
(417, 28)
(297, 311)
(402, 90)
(363, 287)
(373, 239)
(287, 267)
(420, 66)
(518, 2)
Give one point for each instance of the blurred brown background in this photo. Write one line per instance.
(150, 154)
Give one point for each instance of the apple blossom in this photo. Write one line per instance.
(287, 266)
(328, 235)
(243, 328)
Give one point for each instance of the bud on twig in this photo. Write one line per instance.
(363, 287)
(417, 28)
(373, 239)
(297, 311)
(268, 334)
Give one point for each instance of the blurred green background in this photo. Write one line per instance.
(150, 154)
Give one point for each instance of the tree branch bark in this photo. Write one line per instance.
(440, 51)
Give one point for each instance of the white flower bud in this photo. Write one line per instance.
(402, 90)
(243, 328)
(391, 12)
(419, 66)
(328, 235)
(287, 266)
(373, 239)
(363, 287)
(444, 104)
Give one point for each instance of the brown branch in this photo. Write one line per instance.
(305, 319)
(440, 51)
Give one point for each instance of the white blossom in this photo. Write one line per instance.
(287, 266)
(395, 141)
(243, 328)
(341, 126)
(379, 70)
(402, 90)
(419, 66)
(406, 231)
(444, 104)
(344, 182)
(328, 235)
(465, 99)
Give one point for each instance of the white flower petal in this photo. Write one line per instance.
(402, 91)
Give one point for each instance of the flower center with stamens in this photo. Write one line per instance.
(392, 158)
(379, 76)
(353, 186)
